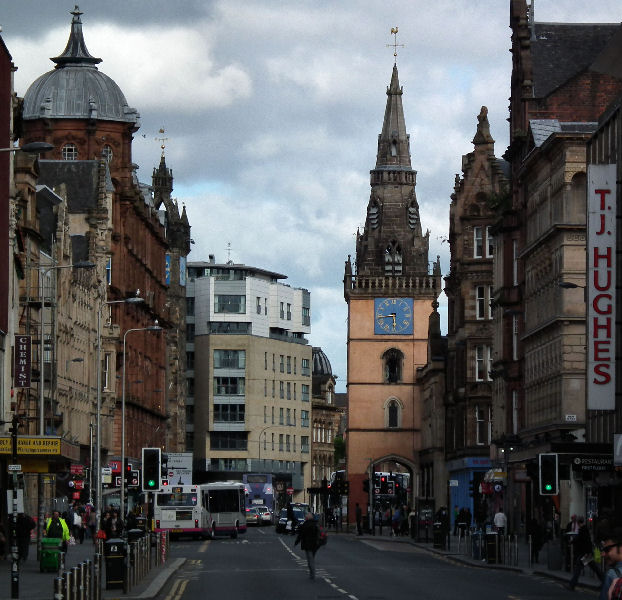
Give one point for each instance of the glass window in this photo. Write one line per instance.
(393, 413)
(306, 316)
(304, 443)
(289, 312)
(289, 390)
(482, 425)
(304, 418)
(282, 310)
(190, 360)
(190, 332)
(229, 412)
(228, 440)
(305, 369)
(229, 359)
(281, 390)
(225, 303)
(482, 363)
(70, 152)
(305, 393)
(281, 416)
(289, 364)
(282, 364)
(107, 153)
(480, 302)
(478, 242)
(490, 243)
(228, 386)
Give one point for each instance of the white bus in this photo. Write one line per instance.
(178, 510)
(223, 508)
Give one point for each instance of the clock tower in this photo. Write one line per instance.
(390, 291)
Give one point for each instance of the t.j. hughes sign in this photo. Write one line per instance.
(601, 286)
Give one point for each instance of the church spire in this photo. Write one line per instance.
(394, 142)
(75, 51)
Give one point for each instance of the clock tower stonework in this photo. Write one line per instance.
(391, 289)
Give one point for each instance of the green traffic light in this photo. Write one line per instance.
(151, 483)
(548, 487)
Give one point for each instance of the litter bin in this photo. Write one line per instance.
(438, 536)
(115, 552)
(134, 535)
(50, 554)
(492, 548)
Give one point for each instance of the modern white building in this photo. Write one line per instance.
(249, 375)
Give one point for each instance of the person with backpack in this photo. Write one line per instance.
(583, 553)
(309, 538)
(611, 549)
(55, 527)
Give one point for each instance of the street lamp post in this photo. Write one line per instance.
(155, 327)
(98, 431)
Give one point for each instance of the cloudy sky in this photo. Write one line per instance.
(272, 111)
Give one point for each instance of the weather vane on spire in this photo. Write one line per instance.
(394, 45)
(162, 139)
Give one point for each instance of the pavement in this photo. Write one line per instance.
(463, 552)
(35, 585)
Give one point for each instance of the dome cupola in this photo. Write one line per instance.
(75, 88)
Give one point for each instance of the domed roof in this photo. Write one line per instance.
(75, 88)
(321, 364)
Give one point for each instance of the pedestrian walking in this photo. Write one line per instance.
(583, 553)
(359, 519)
(309, 538)
(56, 527)
(25, 524)
(611, 549)
(114, 526)
(501, 522)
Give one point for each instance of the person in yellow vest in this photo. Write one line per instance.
(55, 527)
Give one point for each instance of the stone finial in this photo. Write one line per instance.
(482, 136)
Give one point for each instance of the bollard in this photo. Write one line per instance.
(97, 576)
(75, 582)
(58, 588)
(61, 563)
(67, 585)
(88, 574)
(81, 581)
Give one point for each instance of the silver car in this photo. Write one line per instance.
(265, 514)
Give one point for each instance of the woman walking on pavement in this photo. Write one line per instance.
(308, 536)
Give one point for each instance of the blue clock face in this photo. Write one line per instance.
(393, 316)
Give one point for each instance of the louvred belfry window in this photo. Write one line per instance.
(393, 259)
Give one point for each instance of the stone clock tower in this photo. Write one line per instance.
(390, 291)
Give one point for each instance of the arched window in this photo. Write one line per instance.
(70, 152)
(107, 153)
(393, 413)
(393, 148)
(393, 360)
(393, 259)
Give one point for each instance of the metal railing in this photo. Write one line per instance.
(85, 581)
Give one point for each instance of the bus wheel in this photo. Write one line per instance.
(234, 535)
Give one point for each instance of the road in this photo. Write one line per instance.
(263, 565)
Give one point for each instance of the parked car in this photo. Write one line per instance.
(252, 517)
(282, 526)
(265, 514)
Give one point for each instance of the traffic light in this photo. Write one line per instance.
(366, 486)
(345, 487)
(383, 484)
(471, 494)
(128, 472)
(152, 470)
(548, 474)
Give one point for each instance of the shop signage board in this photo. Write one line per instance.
(601, 286)
(31, 445)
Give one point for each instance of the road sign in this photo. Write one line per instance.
(76, 469)
(15, 468)
(290, 490)
(117, 481)
(453, 483)
(376, 490)
(79, 484)
(106, 471)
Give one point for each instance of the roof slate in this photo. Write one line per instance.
(562, 50)
(80, 177)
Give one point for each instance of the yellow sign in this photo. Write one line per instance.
(31, 445)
